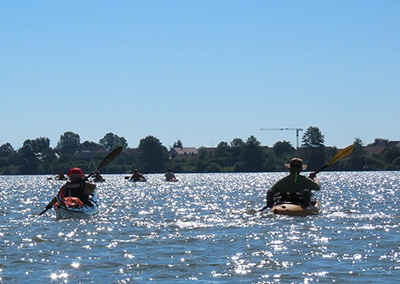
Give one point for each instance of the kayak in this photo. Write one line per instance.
(72, 207)
(57, 178)
(172, 180)
(291, 209)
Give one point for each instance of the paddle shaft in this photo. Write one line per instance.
(45, 209)
(262, 209)
(111, 156)
(339, 155)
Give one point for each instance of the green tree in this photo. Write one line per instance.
(214, 168)
(282, 152)
(236, 149)
(223, 155)
(153, 156)
(7, 157)
(177, 144)
(252, 157)
(284, 149)
(111, 141)
(396, 164)
(46, 155)
(272, 162)
(69, 142)
(39, 144)
(313, 138)
(390, 154)
(28, 161)
(313, 148)
(374, 162)
(202, 161)
(6, 150)
(356, 160)
(48, 161)
(91, 146)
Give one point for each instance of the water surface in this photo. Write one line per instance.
(197, 229)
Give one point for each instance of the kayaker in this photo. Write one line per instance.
(137, 176)
(97, 177)
(294, 188)
(60, 176)
(76, 186)
(169, 175)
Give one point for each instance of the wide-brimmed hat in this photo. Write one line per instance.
(296, 164)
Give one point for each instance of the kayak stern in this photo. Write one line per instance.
(291, 209)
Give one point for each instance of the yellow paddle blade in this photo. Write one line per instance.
(341, 154)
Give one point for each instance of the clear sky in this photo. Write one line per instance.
(199, 71)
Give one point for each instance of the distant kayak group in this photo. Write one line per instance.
(291, 195)
(138, 177)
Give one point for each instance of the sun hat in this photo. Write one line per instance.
(296, 164)
(75, 172)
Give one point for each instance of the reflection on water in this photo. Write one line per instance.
(199, 229)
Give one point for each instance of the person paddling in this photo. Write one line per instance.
(76, 186)
(169, 176)
(294, 188)
(97, 177)
(60, 176)
(137, 176)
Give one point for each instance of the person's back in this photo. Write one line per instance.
(294, 183)
(294, 187)
(169, 175)
(77, 186)
(76, 189)
(137, 176)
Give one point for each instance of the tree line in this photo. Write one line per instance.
(37, 157)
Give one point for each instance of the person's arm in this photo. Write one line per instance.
(54, 200)
(51, 203)
(90, 187)
(275, 188)
(313, 177)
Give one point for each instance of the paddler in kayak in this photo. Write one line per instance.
(137, 176)
(169, 176)
(294, 188)
(60, 176)
(97, 177)
(76, 186)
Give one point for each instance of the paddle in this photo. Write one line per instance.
(111, 156)
(339, 155)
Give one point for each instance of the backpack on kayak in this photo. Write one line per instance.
(69, 202)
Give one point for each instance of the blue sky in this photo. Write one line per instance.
(199, 71)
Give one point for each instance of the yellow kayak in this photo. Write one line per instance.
(291, 209)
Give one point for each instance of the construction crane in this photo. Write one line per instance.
(287, 128)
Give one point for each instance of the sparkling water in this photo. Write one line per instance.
(201, 229)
